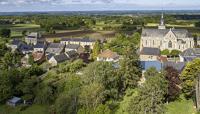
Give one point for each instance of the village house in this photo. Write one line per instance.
(15, 44)
(38, 57)
(189, 54)
(82, 42)
(108, 56)
(39, 47)
(149, 54)
(25, 49)
(33, 38)
(54, 60)
(55, 48)
(78, 48)
(162, 38)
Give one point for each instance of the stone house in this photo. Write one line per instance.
(149, 54)
(108, 56)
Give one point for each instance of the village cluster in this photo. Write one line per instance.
(55, 53)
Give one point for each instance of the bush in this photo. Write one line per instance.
(23, 107)
(175, 52)
(165, 52)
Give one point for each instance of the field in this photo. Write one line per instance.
(16, 30)
(34, 109)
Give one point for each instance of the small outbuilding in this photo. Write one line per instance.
(14, 101)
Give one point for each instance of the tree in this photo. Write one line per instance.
(92, 95)
(27, 87)
(175, 52)
(197, 24)
(96, 49)
(31, 60)
(172, 75)
(136, 37)
(150, 97)
(103, 73)
(24, 32)
(63, 105)
(189, 77)
(10, 60)
(165, 52)
(44, 94)
(130, 69)
(5, 33)
(5, 86)
(3, 48)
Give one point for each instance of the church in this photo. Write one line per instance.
(163, 38)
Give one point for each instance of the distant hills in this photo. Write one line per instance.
(124, 12)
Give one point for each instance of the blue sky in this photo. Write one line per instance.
(89, 5)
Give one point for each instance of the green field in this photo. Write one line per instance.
(181, 107)
(34, 109)
(169, 25)
(16, 30)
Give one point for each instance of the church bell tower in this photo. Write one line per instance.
(162, 22)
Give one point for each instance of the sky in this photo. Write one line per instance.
(96, 5)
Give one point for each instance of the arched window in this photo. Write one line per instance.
(170, 44)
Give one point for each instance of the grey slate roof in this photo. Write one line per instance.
(78, 39)
(40, 45)
(14, 100)
(55, 48)
(72, 54)
(72, 46)
(176, 65)
(179, 33)
(61, 58)
(191, 52)
(25, 47)
(150, 51)
(16, 42)
(49, 56)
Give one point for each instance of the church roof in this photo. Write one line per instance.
(179, 33)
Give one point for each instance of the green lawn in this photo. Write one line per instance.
(34, 109)
(181, 107)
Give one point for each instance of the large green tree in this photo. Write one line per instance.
(151, 96)
(130, 71)
(5, 33)
(5, 86)
(96, 50)
(189, 77)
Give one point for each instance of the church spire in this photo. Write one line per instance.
(162, 22)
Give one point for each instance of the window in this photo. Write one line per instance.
(153, 42)
(170, 44)
(146, 42)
